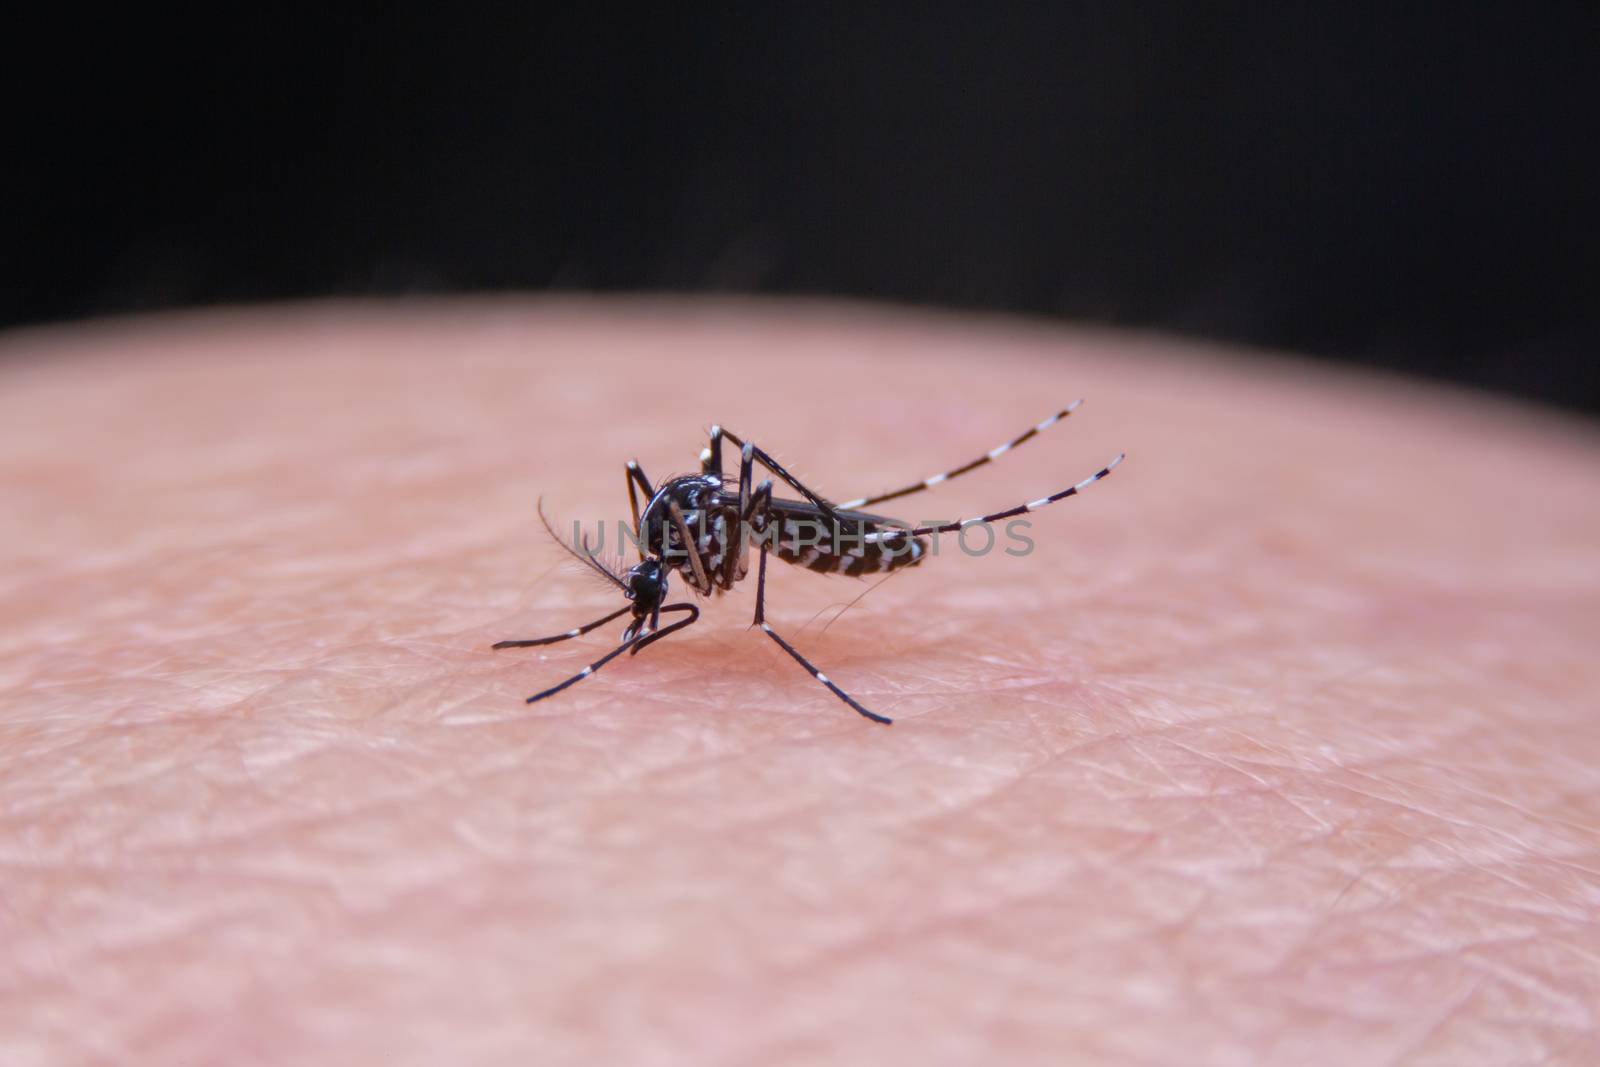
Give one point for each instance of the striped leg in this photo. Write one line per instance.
(701, 583)
(1020, 509)
(752, 502)
(638, 626)
(756, 503)
(579, 632)
(711, 455)
(631, 640)
(761, 621)
(988, 457)
(761, 456)
(637, 481)
(654, 634)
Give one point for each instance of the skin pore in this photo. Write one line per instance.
(1281, 746)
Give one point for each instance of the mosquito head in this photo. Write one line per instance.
(646, 586)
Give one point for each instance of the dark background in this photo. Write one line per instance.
(1410, 187)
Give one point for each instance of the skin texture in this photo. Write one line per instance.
(1280, 747)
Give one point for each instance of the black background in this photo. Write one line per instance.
(1411, 187)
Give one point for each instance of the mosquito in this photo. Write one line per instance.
(704, 527)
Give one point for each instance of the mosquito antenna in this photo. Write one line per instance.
(586, 557)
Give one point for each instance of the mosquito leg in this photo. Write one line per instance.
(988, 457)
(747, 475)
(711, 457)
(636, 482)
(1020, 509)
(701, 582)
(633, 641)
(764, 458)
(761, 621)
(751, 506)
(579, 632)
(737, 563)
(733, 556)
(656, 635)
(836, 522)
(638, 627)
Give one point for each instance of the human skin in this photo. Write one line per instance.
(1281, 746)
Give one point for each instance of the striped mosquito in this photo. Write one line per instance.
(704, 527)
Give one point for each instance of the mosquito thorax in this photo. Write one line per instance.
(691, 492)
(707, 521)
